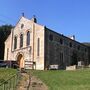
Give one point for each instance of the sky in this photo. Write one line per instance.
(68, 17)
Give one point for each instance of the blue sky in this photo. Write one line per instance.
(70, 17)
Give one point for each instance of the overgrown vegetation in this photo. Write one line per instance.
(65, 80)
(6, 74)
(4, 33)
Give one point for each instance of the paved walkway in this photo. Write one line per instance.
(37, 84)
(33, 83)
(24, 82)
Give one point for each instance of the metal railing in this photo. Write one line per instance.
(11, 83)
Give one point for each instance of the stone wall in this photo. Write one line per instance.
(54, 48)
(29, 52)
(71, 67)
(63, 53)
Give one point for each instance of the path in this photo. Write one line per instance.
(37, 84)
(33, 83)
(24, 81)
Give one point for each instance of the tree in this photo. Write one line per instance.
(5, 30)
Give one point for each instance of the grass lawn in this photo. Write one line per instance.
(6, 73)
(65, 80)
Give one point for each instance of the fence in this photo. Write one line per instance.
(11, 83)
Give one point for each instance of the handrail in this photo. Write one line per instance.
(11, 83)
(7, 80)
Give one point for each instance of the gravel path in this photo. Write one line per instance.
(37, 84)
(30, 83)
(24, 82)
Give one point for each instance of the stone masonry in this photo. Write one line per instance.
(46, 47)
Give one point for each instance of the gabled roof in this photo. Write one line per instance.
(31, 20)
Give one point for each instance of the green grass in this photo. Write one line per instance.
(65, 80)
(6, 73)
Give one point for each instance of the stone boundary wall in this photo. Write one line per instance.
(71, 67)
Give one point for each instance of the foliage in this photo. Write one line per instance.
(4, 33)
(65, 80)
(87, 44)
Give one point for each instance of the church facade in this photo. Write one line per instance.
(34, 46)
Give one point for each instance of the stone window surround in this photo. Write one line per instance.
(23, 37)
(15, 42)
(21, 40)
(28, 38)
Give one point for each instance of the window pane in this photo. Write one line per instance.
(21, 40)
(15, 42)
(50, 37)
(70, 44)
(61, 41)
(28, 38)
(61, 58)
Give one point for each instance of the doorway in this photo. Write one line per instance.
(20, 61)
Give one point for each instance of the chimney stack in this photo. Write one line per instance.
(23, 14)
(34, 19)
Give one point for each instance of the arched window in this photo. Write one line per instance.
(28, 38)
(21, 40)
(15, 42)
(22, 25)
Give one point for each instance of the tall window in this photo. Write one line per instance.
(70, 44)
(78, 47)
(38, 46)
(7, 52)
(15, 42)
(28, 38)
(21, 40)
(61, 41)
(50, 37)
(85, 50)
(61, 58)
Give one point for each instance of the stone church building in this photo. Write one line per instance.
(34, 46)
